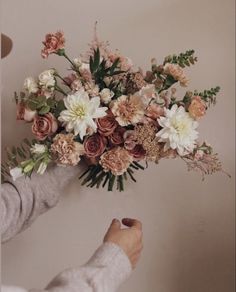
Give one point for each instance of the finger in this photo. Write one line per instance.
(132, 223)
(115, 225)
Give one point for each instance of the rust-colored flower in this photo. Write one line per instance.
(94, 145)
(138, 152)
(44, 126)
(53, 43)
(197, 107)
(24, 113)
(107, 124)
(117, 137)
(116, 160)
(66, 150)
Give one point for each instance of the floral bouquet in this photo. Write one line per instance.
(112, 115)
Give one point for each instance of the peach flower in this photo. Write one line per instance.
(128, 109)
(53, 43)
(44, 126)
(116, 160)
(154, 111)
(66, 150)
(197, 107)
(94, 145)
(177, 73)
(24, 113)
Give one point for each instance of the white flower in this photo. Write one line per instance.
(16, 173)
(179, 130)
(80, 112)
(47, 79)
(30, 85)
(42, 168)
(38, 149)
(106, 95)
(77, 62)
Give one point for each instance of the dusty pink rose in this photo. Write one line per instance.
(24, 113)
(107, 124)
(53, 43)
(129, 139)
(116, 160)
(138, 152)
(94, 145)
(197, 107)
(117, 137)
(44, 126)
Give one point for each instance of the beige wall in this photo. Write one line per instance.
(188, 224)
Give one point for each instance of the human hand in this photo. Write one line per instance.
(129, 239)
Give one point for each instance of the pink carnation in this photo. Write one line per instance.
(53, 43)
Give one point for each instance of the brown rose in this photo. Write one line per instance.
(24, 113)
(117, 137)
(138, 152)
(53, 43)
(94, 145)
(44, 126)
(107, 124)
(116, 160)
(197, 107)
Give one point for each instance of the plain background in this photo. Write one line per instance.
(188, 224)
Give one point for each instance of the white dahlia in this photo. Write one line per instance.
(80, 113)
(178, 130)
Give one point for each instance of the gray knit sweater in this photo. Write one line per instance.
(24, 200)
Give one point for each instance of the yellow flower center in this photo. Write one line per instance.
(80, 111)
(181, 127)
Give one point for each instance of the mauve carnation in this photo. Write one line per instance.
(138, 152)
(53, 43)
(117, 137)
(116, 160)
(24, 113)
(44, 126)
(94, 145)
(197, 107)
(107, 124)
(129, 139)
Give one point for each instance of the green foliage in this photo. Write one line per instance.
(209, 96)
(14, 157)
(183, 59)
(95, 176)
(100, 70)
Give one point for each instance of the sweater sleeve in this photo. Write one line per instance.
(104, 272)
(25, 199)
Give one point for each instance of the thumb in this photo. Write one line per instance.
(115, 225)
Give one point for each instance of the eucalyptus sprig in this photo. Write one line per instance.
(209, 96)
(183, 59)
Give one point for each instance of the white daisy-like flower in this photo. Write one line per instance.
(80, 113)
(178, 130)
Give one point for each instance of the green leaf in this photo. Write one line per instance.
(96, 59)
(44, 110)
